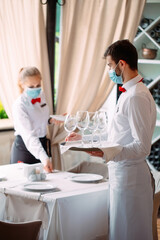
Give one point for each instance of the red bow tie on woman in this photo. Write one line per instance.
(34, 100)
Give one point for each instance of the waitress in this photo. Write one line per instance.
(31, 116)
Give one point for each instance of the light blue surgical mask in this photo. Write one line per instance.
(33, 92)
(113, 76)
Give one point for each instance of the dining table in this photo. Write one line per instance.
(69, 208)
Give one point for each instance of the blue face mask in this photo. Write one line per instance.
(113, 76)
(33, 92)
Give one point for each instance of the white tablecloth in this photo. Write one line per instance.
(73, 211)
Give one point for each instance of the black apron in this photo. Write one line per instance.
(19, 152)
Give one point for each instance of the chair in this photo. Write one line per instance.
(91, 167)
(156, 199)
(156, 204)
(20, 231)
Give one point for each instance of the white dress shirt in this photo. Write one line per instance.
(30, 122)
(134, 121)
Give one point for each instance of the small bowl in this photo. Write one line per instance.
(149, 53)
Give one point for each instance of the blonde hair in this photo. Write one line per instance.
(27, 72)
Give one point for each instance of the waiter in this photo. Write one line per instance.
(131, 192)
(31, 116)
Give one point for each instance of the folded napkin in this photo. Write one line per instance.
(34, 172)
(67, 145)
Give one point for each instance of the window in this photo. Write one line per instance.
(3, 114)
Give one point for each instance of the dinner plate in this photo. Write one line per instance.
(39, 186)
(86, 177)
(58, 117)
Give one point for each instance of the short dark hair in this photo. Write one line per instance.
(123, 50)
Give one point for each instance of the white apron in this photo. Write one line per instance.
(131, 201)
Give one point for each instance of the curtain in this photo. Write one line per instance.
(88, 27)
(22, 43)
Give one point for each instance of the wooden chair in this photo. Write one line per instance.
(156, 204)
(20, 231)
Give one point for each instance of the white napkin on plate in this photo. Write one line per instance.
(34, 172)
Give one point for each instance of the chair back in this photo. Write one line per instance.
(20, 231)
(91, 167)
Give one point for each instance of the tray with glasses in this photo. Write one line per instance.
(92, 121)
(109, 149)
(84, 120)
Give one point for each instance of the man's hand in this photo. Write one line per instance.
(75, 137)
(95, 153)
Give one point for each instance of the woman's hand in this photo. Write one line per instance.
(56, 122)
(73, 137)
(48, 166)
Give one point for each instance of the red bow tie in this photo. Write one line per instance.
(34, 100)
(121, 89)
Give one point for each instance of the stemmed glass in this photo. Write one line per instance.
(82, 120)
(102, 122)
(93, 123)
(70, 123)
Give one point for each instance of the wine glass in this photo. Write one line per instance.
(93, 123)
(82, 120)
(70, 123)
(102, 122)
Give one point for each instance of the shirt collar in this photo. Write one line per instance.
(132, 82)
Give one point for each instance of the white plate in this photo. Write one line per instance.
(86, 177)
(58, 117)
(39, 186)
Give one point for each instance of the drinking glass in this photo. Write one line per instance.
(102, 122)
(70, 123)
(82, 120)
(93, 123)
